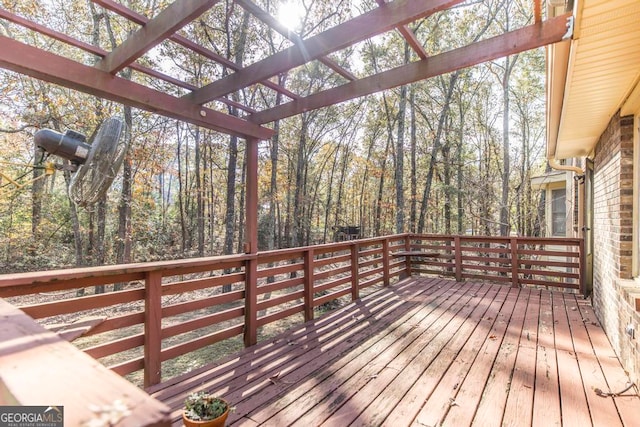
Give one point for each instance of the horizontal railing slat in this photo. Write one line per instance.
(118, 322)
(332, 284)
(203, 283)
(115, 346)
(281, 269)
(330, 297)
(280, 285)
(202, 322)
(198, 343)
(199, 304)
(273, 317)
(74, 305)
(332, 260)
(282, 299)
(333, 272)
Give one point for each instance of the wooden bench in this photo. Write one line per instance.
(40, 368)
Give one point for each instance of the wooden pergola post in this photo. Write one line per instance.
(251, 245)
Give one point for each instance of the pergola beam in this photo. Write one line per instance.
(38, 63)
(183, 41)
(171, 19)
(377, 21)
(530, 37)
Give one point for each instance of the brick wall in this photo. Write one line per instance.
(613, 232)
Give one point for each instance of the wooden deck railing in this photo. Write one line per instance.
(166, 310)
(553, 262)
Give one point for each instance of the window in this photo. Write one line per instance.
(559, 212)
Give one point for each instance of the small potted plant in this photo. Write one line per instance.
(205, 410)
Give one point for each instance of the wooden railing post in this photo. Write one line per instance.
(458, 255)
(308, 284)
(251, 246)
(385, 262)
(515, 263)
(582, 268)
(152, 327)
(407, 259)
(251, 302)
(355, 271)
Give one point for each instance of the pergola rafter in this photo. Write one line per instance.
(377, 21)
(410, 37)
(167, 22)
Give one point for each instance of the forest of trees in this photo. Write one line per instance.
(453, 154)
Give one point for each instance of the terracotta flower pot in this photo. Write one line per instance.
(216, 422)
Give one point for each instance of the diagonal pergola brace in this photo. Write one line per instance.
(410, 37)
(47, 66)
(530, 37)
(377, 21)
(167, 22)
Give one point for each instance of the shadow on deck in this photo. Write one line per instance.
(427, 352)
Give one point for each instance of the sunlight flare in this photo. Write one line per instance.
(291, 13)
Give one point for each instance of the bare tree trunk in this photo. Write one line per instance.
(232, 163)
(298, 205)
(241, 202)
(75, 223)
(399, 172)
(271, 234)
(436, 148)
(414, 179)
(446, 158)
(182, 185)
(343, 172)
(199, 198)
(459, 173)
(101, 213)
(230, 211)
(506, 169)
(377, 219)
(123, 248)
(37, 189)
(327, 209)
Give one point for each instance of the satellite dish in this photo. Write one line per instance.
(95, 165)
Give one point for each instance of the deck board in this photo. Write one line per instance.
(519, 406)
(427, 352)
(575, 409)
(546, 401)
(494, 398)
(435, 409)
(615, 378)
(603, 411)
(471, 391)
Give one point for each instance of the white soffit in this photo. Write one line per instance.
(604, 68)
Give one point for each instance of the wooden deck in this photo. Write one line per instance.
(428, 352)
